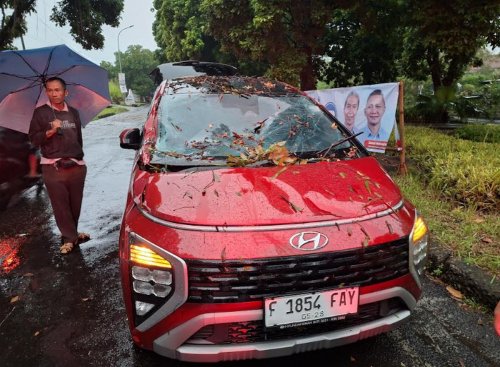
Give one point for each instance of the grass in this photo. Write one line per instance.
(472, 236)
(110, 111)
(455, 183)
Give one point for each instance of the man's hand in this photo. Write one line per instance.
(56, 124)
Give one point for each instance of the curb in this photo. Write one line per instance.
(471, 280)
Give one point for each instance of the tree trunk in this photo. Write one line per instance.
(307, 77)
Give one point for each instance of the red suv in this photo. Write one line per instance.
(257, 226)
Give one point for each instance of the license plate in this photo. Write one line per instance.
(311, 308)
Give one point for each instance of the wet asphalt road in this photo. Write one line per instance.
(67, 310)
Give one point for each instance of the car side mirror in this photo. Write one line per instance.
(130, 139)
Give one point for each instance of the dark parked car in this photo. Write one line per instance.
(15, 150)
(256, 226)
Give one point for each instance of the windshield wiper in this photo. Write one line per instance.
(338, 143)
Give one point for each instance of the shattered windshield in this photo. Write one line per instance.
(241, 129)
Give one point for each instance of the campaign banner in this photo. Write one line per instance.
(366, 109)
(122, 83)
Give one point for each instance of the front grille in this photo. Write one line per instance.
(217, 281)
(254, 331)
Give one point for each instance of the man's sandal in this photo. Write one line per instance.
(83, 237)
(67, 247)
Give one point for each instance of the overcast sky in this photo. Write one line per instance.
(42, 32)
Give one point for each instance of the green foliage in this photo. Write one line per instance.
(179, 29)
(111, 69)
(477, 95)
(272, 32)
(84, 18)
(442, 38)
(464, 171)
(110, 111)
(115, 93)
(471, 236)
(481, 133)
(137, 63)
(427, 109)
(364, 44)
(12, 20)
(346, 42)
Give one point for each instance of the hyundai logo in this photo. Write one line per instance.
(308, 241)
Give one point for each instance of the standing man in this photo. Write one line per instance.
(351, 106)
(56, 129)
(374, 110)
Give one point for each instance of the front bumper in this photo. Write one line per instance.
(173, 344)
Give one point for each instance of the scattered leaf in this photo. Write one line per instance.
(85, 299)
(14, 299)
(480, 322)
(295, 208)
(342, 174)
(478, 220)
(353, 359)
(367, 185)
(454, 293)
(280, 172)
(36, 333)
(365, 242)
(486, 240)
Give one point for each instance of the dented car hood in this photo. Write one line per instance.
(267, 195)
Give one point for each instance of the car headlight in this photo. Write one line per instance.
(419, 240)
(152, 277)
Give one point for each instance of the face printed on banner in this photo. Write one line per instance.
(374, 110)
(351, 106)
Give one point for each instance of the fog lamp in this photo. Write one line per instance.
(140, 273)
(142, 287)
(160, 290)
(142, 308)
(161, 277)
